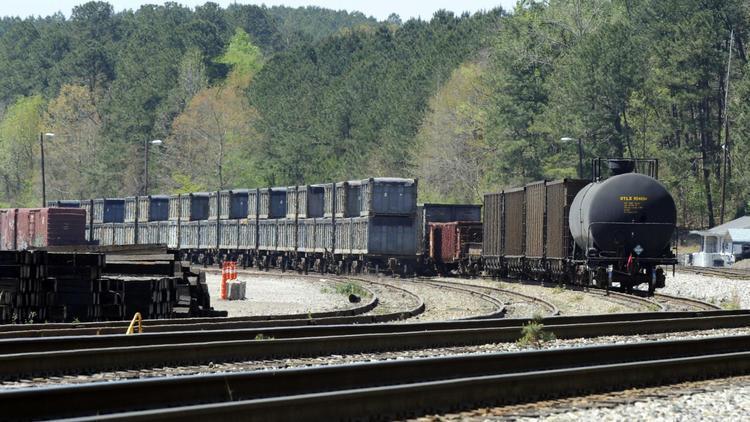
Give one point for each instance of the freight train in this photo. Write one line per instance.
(606, 231)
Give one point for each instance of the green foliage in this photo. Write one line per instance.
(19, 149)
(533, 334)
(313, 23)
(262, 336)
(351, 288)
(242, 55)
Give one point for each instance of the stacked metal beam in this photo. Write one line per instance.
(21, 286)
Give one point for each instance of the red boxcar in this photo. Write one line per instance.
(455, 245)
(25, 228)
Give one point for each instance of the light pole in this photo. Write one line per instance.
(580, 154)
(146, 144)
(42, 135)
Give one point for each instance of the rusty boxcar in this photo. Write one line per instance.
(26, 228)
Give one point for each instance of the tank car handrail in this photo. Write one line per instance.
(621, 223)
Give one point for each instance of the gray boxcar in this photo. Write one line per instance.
(229, 234)
(253, 203)
(272, 203)
(329, 200)
(388, 196)
(153, 208)
(324, 235)
(109, 210)
(267, 235)
(291, 202)
(131, 211)
(306, 235)
(208, 234)
(310, 201)
(287, 234)
(343, 237)
(385, 236)
(248, 234)
(189, 206)
(173, 234)
(233, 204)
(190, 234)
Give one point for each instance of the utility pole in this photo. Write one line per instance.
(726, 132)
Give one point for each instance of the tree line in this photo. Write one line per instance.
(253, 96)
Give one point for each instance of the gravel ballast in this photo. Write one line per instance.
(269, 294)
(727, 293)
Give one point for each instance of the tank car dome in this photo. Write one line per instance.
(624, 214)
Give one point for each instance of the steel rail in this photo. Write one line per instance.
(388, 402)
(690, 302)
(551, 307)
(190, 324)
(60, 343)
(13, 366)
(731, 273)
(267, 391)
(499, 311)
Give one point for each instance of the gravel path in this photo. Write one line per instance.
(270, 294)
(727, 293)
(353, 358)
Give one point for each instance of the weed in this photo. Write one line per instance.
(576, 298)
(614, 309)
(351, 288)
(261, 336)
(559, 289)
(533, 334)
(733, 303)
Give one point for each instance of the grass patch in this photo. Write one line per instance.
(559, 289)
(349, 288)
(733, 303)
(576, 298)
(614, 309)
(263, 337)
(533, 334)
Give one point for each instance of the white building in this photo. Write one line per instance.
(721, 245)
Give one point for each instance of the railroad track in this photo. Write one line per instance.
(79, 355)
(389, 389)
(731, 273)
(359, 315)
(550, 308)
(629, 300)
(499, 306)
(677, 303)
